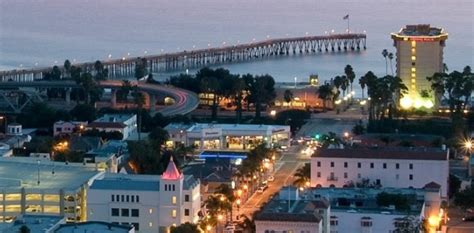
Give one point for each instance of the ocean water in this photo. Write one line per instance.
(46, 32)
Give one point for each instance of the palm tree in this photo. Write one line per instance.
(288, 96)
(247, 224)
(390, 57)
(238, 87)
(325, 93)
(338, 80)
(344, 85)
(349, 74)
(363, 83)
(67, 68)
(385, 54)
(303, 175)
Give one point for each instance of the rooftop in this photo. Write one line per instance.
(420, 30)
(171, 172)
(36, 223)
(384, 153)
(93, 227)
(16, 172)
(114, 118)
(119, 181)
(225, 127)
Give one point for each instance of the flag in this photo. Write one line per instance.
(346, 17)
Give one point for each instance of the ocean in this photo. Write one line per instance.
(46, 32)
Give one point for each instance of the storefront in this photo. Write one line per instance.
(229, 136)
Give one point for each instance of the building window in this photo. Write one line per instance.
(166, 187)
(333, 221)
(186, 212)
(150, 224)
(413, 43)
(358, 175)
(173, 213)
(137, 198)
(411, 177)
(128, 198)
(136, 225)
(413, 69)
(411, 166)
(135, 213)
(366, 223)
(318, 174)
(113, 198)
(359, 165)
(319, 163)
(332, 164)
(384, 166)
(345, 164)
(413, 63)
(186, 197)
(133, 198)
(125, 213)
(150, 211)
(173, 200)
(371, 165)
(345, 174)
(377, 182)
(413, 58)
(115, 212)
(173, 187)
(397, 166)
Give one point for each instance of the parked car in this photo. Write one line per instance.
(261, 189)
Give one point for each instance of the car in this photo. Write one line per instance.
(468, 218)
(261, 189)
(270, 179)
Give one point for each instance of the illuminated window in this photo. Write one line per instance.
(150, 224)
(173, 200)
(151, 211)
(173, 213)
(413, 69)
(413, 80)
(413, 44)
(413, 87)
(413, 75)
(413, 51)
(33, 197)
(413, 58)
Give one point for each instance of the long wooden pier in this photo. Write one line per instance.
(125, 67)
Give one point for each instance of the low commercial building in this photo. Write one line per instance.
(340, 210)
(228, 136)
(29, 186)
(150, 203)
(123, 123)
(399, 167)
(108, 156)
(68, 127)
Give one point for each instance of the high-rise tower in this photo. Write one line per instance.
(419, 55)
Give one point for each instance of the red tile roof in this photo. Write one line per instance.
(384, 153)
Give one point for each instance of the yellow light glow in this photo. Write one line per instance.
(428, 104)
(307, 183)
(237, 202)
(468, 144)
(222, 198)
(413, 75)
(337, 102)
(246, 187)
(413, 58)
(220, 217)
(413, 80)
(413, 43)
(413, 69)
(406, 102)
(273, 112)
(433, 221)
(418, 103)
(413, 51)
(346, 134)
(208, 227)
(413, 86)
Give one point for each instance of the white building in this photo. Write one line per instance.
(419, 55)
(341, 210)
(386, 167)
(123, 123)
(151, 203)
(228, 136)
(67, 127)
(31, 186)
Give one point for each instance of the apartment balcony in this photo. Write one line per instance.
(332, 178)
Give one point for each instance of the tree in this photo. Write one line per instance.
(325, 93)
(158, 136)
(390, 57)
(363, 83)
(349, 74)
(67, 68)
(409, 224)
(385, 54)
(465, 198)
(141, 68)
(454, 185)
(262, 93)
(288, 96)
(84, 112)
(303, 175)
(239, 87)
(247, 224)
(101, 73)
(329, 139)
(24, 229)
(139, 101)
(124, 91)
(185, 228)
(358, 129)
(145, 159)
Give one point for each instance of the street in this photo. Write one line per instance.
(285, 168)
